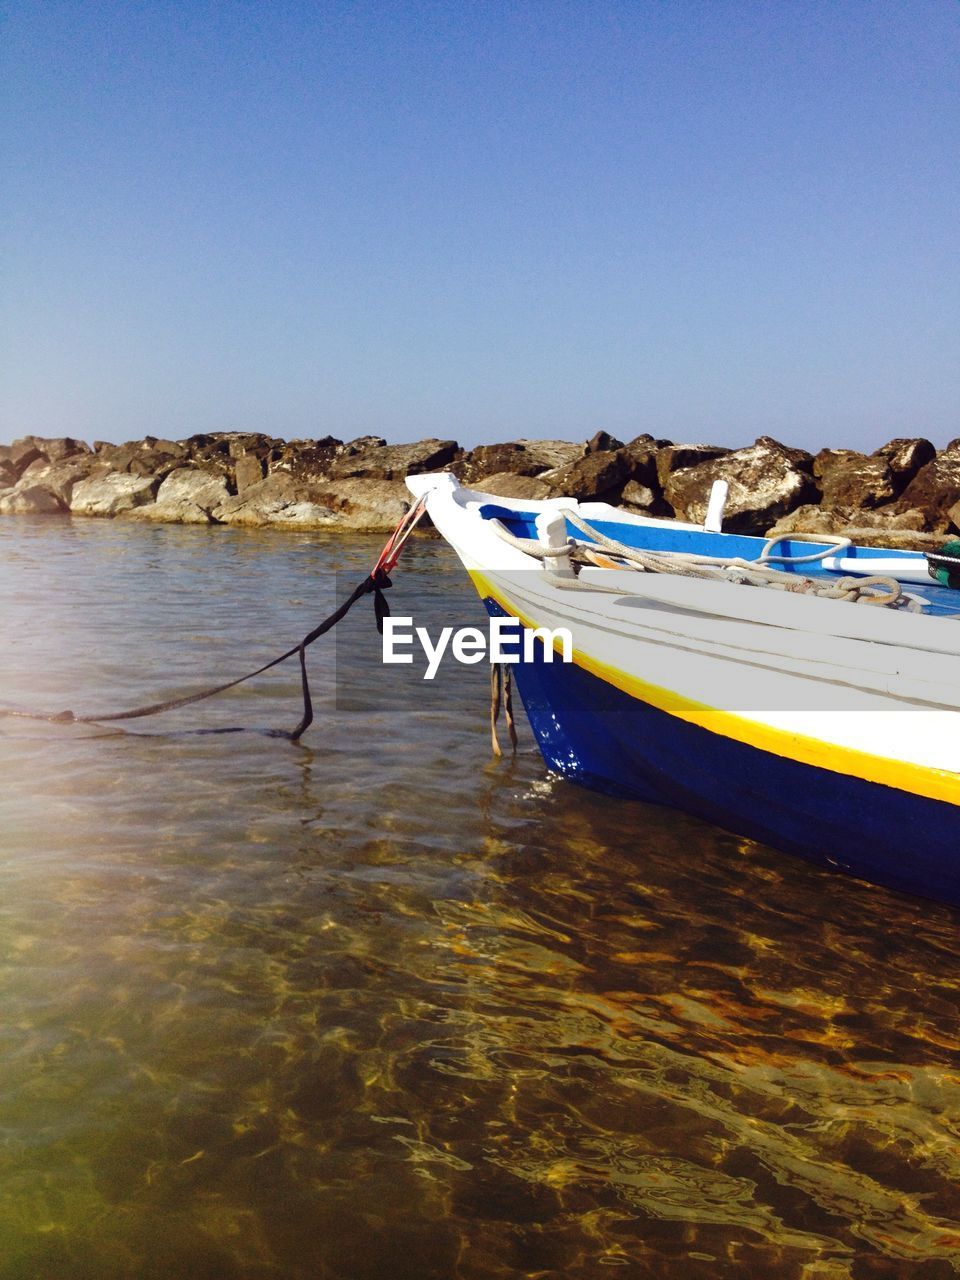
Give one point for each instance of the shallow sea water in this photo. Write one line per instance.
(378, 1005)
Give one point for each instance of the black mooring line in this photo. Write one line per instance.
(375, 583)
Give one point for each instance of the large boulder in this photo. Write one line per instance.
(240, 443)
(249, 469)
(140, 457)
(186, 496)
(209, 443)
(50, 449)
(516, 457)
(487, 460)
(897, 530)
(905, 457)
(305, 460)
(602, 442)
(109, 495)
(117, 456)
(850, 479)
(935, 489)
(62, 477)
(394, 461)
(681, 457)
(62, 447)
(277, 499)
(766, 480)
(551, 453)
(213, 456)
(643, 453)
(365, 503)
(22, 453)
(167, 448)
(810, 518)
(31, 499)
(356, 503)
(362, 444)
(506, 484)
(597, 476)
(640, 497)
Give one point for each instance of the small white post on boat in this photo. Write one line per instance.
(552, 533)
(713, 521)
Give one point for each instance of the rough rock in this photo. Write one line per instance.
(603, 442)
(109, 495)
(117, 456)
(260, 503)
(53, 449)
(138, 458)
(355, 503)
(210, 444)
(681, 457)
(170, 448)
(552, 453)
(766, 480)
(905, 457)
(901, 531)
(935, 489)
(813, 519)
(489, 460)
(363, 443)
(186, 496)
(22, 453)
(638, 495)
(642, 453)
(248, 470)
(394, 461)
(212, 456)
(276, 500)
(240, 443)
(252, 478)
(62, 447)
(506, 484)
(519, 458)
(365, 503)
(306, 462)
(31, 499)
(60, 477)
(598, 476)
(850, 479)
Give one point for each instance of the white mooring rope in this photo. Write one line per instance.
(874, 590)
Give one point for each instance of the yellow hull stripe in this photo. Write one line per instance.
(921, 780)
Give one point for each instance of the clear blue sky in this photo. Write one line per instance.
(701, 218)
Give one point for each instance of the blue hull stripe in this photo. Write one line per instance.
(596, 734)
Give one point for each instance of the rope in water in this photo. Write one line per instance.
(874, 590)
(501, 694)
(375, 583)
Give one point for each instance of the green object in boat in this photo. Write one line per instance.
(944, 565)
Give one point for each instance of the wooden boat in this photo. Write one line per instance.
(826, 727)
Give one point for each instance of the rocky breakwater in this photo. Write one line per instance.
(905, 493)
(227, 478)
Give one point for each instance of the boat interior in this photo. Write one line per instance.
(792, 555)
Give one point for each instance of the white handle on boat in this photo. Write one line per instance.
(713, 521)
